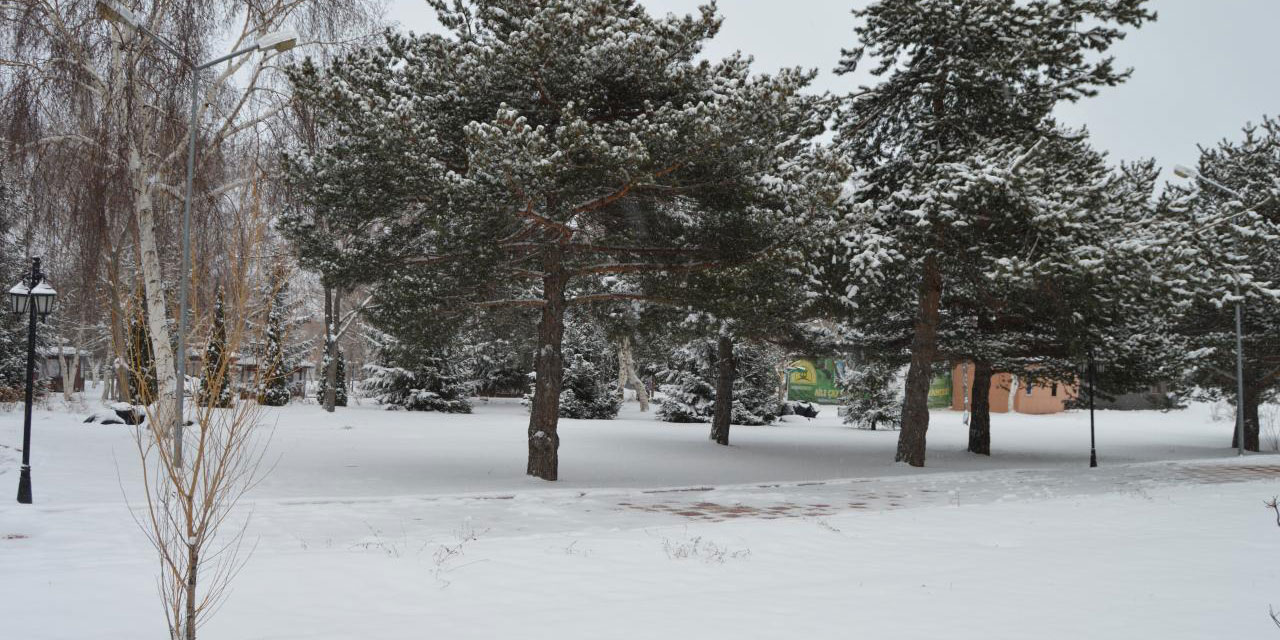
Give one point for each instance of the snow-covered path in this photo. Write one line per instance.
(385, 525)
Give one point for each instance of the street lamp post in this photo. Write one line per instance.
(111, 11)
(31, 296)
(1093, 386)
(1188, 173)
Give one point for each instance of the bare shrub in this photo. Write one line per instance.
(1269, 419)
(702, 549)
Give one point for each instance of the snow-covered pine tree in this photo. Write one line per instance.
(871, 395)
(14, 206)
(142, 362)
(414, 379)
(963, 83)
(340, 385)
(215, 374)
(1077, 273)
(583, 138)
(590, 376)
(273, 368)
(1223, 247)
(688, 384)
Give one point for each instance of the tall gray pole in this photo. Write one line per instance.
(1239, 372)
(184, 276)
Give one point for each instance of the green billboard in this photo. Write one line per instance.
(814, 380)
(940, 391)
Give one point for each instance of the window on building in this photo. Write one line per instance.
(1028, 388)
(1053, 390)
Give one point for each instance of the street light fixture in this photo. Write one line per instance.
(278, 41)
(32, 296)
(1191, 174)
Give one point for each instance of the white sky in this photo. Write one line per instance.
(1201, 71)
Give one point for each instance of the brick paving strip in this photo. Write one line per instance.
(818, 499)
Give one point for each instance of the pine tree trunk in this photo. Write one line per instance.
(157, 306)
(544, 442)
(332, 297)
(725, 373)
(980, 409)
(924, 346)
(1252, 424)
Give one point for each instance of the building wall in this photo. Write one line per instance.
(1043, 399)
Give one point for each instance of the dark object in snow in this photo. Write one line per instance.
(119, 413)
(803, 409)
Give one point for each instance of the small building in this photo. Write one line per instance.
(1008, 394)
(49, 367)
(247, 376)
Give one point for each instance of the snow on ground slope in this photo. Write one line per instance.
(379, 524)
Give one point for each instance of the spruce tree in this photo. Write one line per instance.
(215, 374)
(340, 387)
(689, 383)
(537, 149)
(590, 377)
(142, 362)
(966, 88)
(273, 369)
(412, 379)
(870, 395)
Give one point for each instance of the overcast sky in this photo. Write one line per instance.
(1202, 70)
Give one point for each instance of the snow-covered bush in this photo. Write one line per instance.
(340, 378)
(589, 390)
(688, 385)
(273, 383)
(431, 386)
(870, 396)
(214, 388)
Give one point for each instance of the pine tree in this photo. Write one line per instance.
(273, 369)
(1223, 247)
(689, 389)
(340, 387)
(870, 395)
(967, 88)
(590, 379)
(142, 363)
(14, 206)
(215, 375)
(413, 380)
(584, 139)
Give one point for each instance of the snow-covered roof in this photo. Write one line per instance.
(66, 351)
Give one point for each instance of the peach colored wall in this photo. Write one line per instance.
(999, 389)
(1041, 400)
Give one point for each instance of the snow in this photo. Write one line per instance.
(377, 524)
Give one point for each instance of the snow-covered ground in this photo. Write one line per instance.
(376, 524)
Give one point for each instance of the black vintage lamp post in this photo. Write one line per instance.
(1092, 369)
(31, 296)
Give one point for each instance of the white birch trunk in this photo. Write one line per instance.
(157, 305)
(627, 374)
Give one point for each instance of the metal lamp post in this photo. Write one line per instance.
(111, 11)
(1188, 173)
(31, 296)
(1093, 386)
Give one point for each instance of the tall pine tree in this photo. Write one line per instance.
(273, 368)
(215, 374)
(964, 85)
(537, 148)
